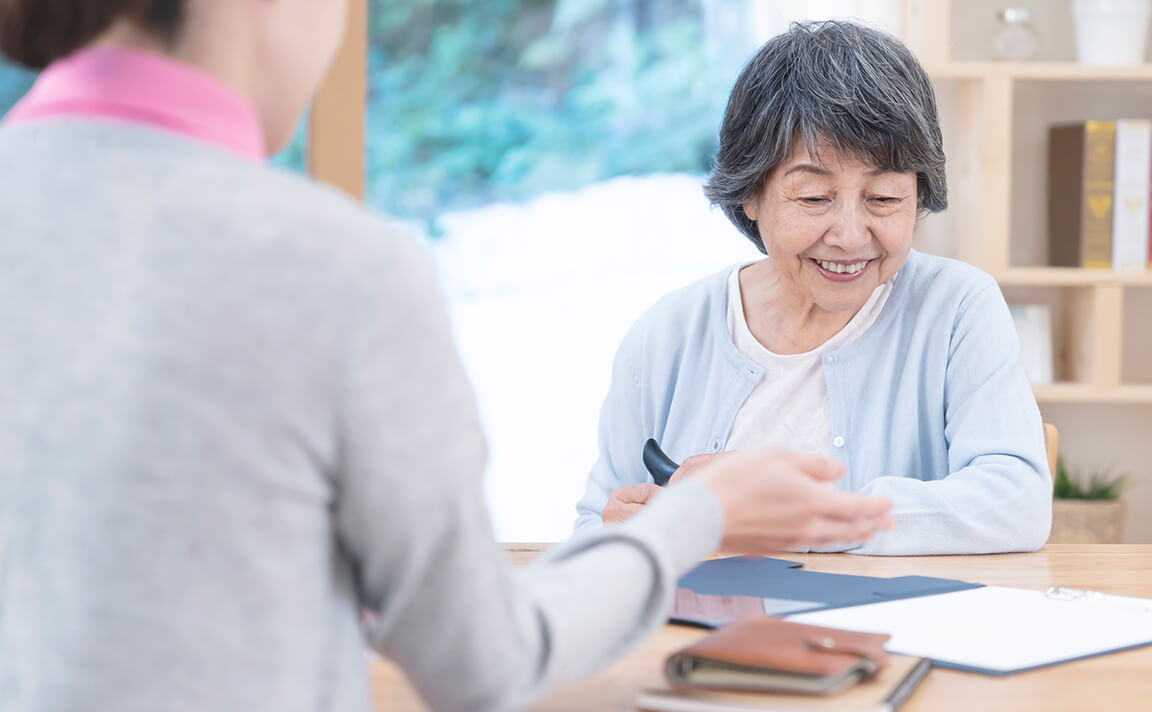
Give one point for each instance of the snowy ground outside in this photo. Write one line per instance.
(541, 294)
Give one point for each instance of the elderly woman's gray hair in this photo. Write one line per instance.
(853, 88)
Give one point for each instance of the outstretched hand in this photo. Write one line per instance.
(776, 499)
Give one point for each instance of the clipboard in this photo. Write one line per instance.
(998, 631)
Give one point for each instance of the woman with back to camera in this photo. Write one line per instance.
(232, 416)
(841, 341)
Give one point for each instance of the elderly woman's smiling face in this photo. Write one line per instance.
(835, 228)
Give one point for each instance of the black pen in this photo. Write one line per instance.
(659, 465)
(908, 685)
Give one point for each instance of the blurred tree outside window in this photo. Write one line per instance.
(294, 156)
(479, 101)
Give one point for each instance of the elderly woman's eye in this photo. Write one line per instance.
(813, 201)
(885, 199)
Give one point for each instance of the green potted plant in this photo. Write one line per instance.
(1087, 510)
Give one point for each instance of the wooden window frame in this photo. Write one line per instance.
(336, 119)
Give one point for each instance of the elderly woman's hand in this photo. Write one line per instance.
(626, 501)
(776, 500)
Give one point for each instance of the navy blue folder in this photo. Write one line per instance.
(783, 587)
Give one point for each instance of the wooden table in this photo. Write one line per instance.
(1121, 681)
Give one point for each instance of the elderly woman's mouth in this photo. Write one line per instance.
(841, 271)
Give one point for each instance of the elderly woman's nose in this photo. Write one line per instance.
(850, 229)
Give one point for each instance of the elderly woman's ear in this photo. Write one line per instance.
(751, 208)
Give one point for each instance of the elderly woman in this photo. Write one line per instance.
(842, 341)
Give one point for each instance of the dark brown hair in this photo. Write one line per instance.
(36, 33)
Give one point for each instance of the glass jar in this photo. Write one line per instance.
(1015, 38)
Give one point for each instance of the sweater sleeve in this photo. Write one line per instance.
(998, 495)
(411, 520)
(620, 438)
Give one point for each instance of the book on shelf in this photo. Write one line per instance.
(1081, 168)
(1100, 194)
(1034, 328)
(1133, 189)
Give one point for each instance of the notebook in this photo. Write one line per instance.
(998, 631)
(883, 693)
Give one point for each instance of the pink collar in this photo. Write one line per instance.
(142, 87)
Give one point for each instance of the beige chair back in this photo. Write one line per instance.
(1051, 443)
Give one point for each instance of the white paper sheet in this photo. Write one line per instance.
(1000, 630)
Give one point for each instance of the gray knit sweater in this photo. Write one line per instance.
(231, 417)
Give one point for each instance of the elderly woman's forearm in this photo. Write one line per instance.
(974, 511)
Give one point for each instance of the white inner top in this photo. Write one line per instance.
(789, 407)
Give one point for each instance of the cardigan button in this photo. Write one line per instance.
(838, 441)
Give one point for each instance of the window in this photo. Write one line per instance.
(294, 156)
(552, 152)
(14, 82)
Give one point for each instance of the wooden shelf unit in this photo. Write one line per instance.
(984, 147)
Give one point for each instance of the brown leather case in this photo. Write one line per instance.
(767, 653)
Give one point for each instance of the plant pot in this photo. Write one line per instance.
(1085, 521)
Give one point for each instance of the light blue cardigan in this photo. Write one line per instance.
(930, 408)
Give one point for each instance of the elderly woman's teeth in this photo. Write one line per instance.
(842, 268)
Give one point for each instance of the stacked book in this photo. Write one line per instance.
(1099, 194)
